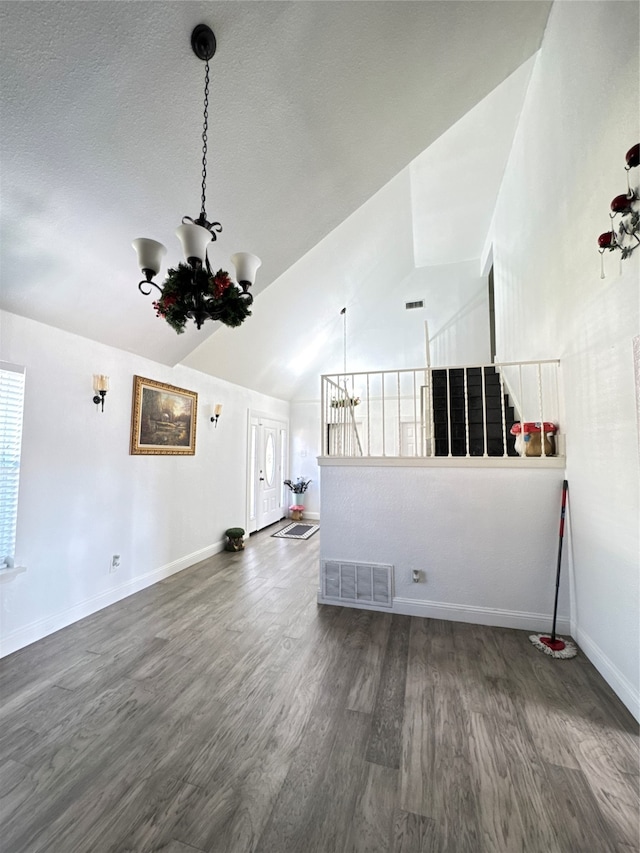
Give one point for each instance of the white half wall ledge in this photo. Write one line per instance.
(461, 462)
(491, 617)
(29, 634)
(10, 572)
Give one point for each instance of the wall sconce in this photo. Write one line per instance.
(217, 411)
(625, 239)
(100, 386)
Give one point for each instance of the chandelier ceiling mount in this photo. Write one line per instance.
(203, 42)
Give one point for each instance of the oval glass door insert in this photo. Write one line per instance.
(269, 460)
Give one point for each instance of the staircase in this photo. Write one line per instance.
(450, 410)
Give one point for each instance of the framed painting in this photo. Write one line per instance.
(163, 419)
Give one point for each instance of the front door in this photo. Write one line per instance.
(267, 445)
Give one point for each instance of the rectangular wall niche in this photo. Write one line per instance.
(362, 583)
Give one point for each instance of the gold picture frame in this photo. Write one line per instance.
(163, 419)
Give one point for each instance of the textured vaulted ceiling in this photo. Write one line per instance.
(407, 242)
(314, 107)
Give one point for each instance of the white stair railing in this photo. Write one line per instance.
(447, 411)
(340, 431)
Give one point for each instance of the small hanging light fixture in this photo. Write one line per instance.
(192, 290)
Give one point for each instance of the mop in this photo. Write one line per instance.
(556, 646)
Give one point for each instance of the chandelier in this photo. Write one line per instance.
(193, 291)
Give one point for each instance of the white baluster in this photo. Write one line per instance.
(384, 440)
(521, 413)
(449, 410)
(430, 404)
(416, 432)
(484, 411)
(368, 419)
(543, 451)
(504, 417)
(398, 429)
(466, 411)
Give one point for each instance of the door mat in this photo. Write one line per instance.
(297, 530)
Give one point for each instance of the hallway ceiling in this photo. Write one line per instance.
(314, 107)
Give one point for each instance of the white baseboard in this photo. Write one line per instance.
(35, 631)
(619, 683)
(493, 617)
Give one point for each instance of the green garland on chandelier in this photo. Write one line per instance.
(200, 296)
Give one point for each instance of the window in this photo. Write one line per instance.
(11, 406)
(270, 460)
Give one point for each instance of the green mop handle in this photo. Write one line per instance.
(565, 487)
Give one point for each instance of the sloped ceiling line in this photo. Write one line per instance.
(316, 106)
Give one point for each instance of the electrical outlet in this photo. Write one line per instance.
(416, 575)
(115, 563)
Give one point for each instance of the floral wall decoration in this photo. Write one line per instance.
(626, 206)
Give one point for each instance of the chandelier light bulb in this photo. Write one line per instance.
(246, 267)
(150, 254)
(194, 239)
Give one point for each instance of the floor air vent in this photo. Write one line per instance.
(361, 583)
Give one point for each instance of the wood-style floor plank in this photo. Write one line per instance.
(509, 743)
(372, 824)
(580, 823)
(364, 688)
(385, 741)
(498, 815)
(414, 834)
(224, 711)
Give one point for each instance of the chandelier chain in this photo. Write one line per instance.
(205, 128)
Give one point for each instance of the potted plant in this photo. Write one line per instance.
(298, 489)
(343, 402)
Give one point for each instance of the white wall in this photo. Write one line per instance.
(383, 335)
(485, 539)
(84, 498)
(457, 310)
(579, 119)
(305, 447)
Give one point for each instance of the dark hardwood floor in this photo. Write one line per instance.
(223, 710)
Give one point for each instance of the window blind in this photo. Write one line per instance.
(11, 407)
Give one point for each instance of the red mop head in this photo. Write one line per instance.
(557, 648)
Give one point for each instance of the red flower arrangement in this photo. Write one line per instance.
(215, 297)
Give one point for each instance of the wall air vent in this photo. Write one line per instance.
(418, 304)
(357, 583)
